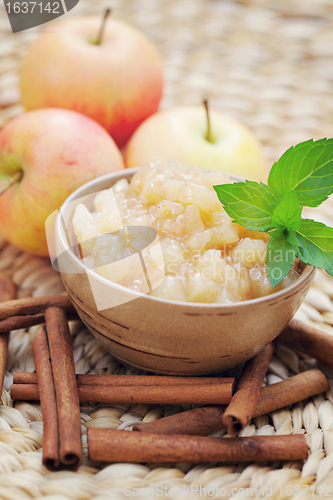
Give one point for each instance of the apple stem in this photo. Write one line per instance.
(209, 136)
(11, 181)
(99, 38)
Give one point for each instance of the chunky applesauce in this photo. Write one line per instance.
(206, 257)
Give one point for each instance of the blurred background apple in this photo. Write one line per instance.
(47, 154)
(184, 133)
(112, 75)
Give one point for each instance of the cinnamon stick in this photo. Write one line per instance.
(177, 394)
(8, 291)
(109, 445)
(290, 391)
(141, 380)
(208, 419)
(68, 406)
(34, 305)
(197, 422)
(48, 403)
(18, 322)
(309, 340)
(243, 402)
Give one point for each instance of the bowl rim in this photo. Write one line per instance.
(117, 175)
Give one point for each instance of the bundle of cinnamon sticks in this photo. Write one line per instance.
(60, 391)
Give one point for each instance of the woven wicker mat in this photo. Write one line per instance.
(269, 64)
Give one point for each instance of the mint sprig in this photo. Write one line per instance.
(303, 176)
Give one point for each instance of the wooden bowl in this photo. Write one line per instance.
(169, 337)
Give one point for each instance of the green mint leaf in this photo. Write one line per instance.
(288, 212)
(277, 233)
(306, 169)
(291, 238)
(279, 259)
(316, 244)
(249, 203)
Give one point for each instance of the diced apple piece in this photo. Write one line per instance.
(121, 185)
(198, 240)
(154, 264)
(199, 289)
(140, 177)
(140, 220)
(156, 255)
(243, 232)
(174, 190)
(145, 174)
(81, 217)
(167, 208)
(172, 255)
(176, 169)
(171, 288)
(192, 219)
(287, 281)
(239, 282)
(109, 248)
(225, 296)
(138, 244)
(212, 265)
(101, 199)
(173, 226)
(192, 194)
(223, 235)
(290, 278)
(125, 274)
(250, 252)
(214, 178)
(110, 219)
(85, 227)
(260, 283)
(221, 217)
(206, 199)
(219, 236)
(153, 191)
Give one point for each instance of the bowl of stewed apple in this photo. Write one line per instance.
(162, 275)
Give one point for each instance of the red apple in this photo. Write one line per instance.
(117, 83)
(56, 151)
(181, 133)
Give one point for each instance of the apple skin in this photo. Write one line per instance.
(57, 151)
(179, 133)
(118, 83)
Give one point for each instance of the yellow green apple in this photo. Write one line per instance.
(183, 133)
(49, 153)
(115, 79)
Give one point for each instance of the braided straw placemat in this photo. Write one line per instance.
(268, 64)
